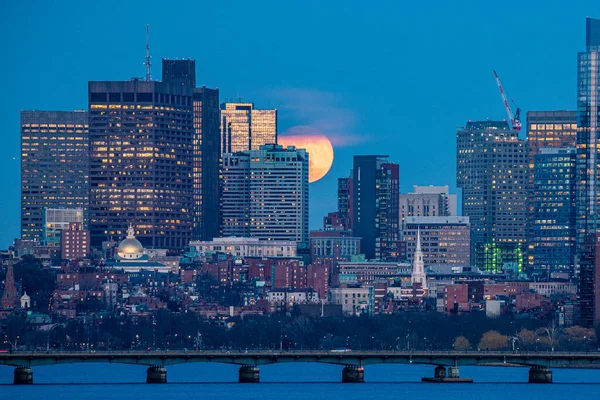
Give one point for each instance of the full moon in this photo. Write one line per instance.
(319, 148)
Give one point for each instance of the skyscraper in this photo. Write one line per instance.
(375, 218)
(492, 173)
(552, 239)
(588, 173)
(206, 147)
(265, 193)
(545, 130)
(207, 218)
(245, 128)
(141, 162)
(54, 166)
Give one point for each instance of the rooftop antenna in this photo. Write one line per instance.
(147, 61)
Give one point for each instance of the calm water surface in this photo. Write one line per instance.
(209, 381)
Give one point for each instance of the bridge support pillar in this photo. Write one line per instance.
(439, 376)
(249, 374)
(156, 374)
(453, 372)
(353, 374)
(539, 374)
(23, 376)
(439, 372)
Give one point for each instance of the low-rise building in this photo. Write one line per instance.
(247, 247)
(354, 300)
(456, 298)
(333, 245)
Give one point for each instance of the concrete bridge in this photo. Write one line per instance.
(540, 363)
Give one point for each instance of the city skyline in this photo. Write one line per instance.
(325, 97)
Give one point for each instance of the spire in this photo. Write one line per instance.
(147, 61)
(9, 296)
(130, 232)
(418, 272)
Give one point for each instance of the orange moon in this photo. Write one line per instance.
(320, 152)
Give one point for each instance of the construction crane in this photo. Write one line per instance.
(515, 121)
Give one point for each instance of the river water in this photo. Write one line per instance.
(207, 381)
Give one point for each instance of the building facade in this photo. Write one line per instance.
(444, 240)
(244, 127)
(56, 220)
(354, 301)
(265, 194)
(75, 242)
(54, 166)
(492, 173)
(588, 173)
(345, 202)
(549, 129)
(247, 247)
(375, 216)
(552, 237)
(333, 245)
(141, 162)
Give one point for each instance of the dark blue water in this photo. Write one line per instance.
(208, 381)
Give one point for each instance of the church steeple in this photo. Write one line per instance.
(418, 272)
(9, 296)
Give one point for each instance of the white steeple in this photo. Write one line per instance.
(418, 272)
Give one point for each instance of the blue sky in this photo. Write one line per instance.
(380, 77)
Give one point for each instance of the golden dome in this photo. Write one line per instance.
(130, 248)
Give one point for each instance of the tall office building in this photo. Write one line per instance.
(492, 173)
(552, 239)
(545, 129)
(141, 162)
(206, 147)
(244, 127)
(588, 173)
(54, 166)
(375, 218)
(207, 218)
(265, 194)
(235, 194)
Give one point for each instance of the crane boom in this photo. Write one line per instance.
(515, 122)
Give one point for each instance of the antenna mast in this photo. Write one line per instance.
(147, 61)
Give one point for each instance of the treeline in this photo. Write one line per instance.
(409, 331)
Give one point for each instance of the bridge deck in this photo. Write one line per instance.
(360, 358)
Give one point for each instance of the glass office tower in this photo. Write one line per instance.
(588, 177)
(552, 242)
(244, 127)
